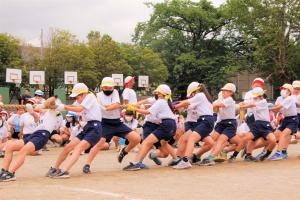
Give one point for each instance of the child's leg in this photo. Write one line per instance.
(146, 146)
(10, 148)
(284, 139)
(271, 142)
(239, 143)
(64, 154)
(192, 139)
(219, 145)
(83, 145)
(56, 138)
(116, 139)
(95, 150)
(182, 144)
(29, 148)
(134, 139)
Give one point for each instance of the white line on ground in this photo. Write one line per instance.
(88, 190)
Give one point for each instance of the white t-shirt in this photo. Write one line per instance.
(91, 110)
(192, 114)
(28, 123)
(248, 99)
(108, 100)
(152, 118)
(228, 112)
(297, 99)
(289, 106)
(204, 107)
(133, 124)
(3, 133)
(48, 121)
(261, 110)
(59, 122)
(130, 95)
(161, 110)
(75, 130)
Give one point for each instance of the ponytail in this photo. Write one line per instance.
(202, 88)
(170, 105)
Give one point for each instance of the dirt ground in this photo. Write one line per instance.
(240, 180)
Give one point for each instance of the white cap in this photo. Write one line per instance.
(296, 84)
(257, 91)
(108, 81)
(128, 79)
(259, 80)
(79, 88)
(229, 87)
(163, 89)
(287, 86)
(193, 86)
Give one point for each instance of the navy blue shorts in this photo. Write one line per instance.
(166, 130)
(25, 136)
(205, 126)
(114, 127)
(148, 128)
(290, 123)
(38, 138)
(189, 126)
(91, 132)
(227, 127)
(261, 129)
(298, 122)
(250, 119)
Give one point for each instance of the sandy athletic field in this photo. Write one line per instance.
(240, 180)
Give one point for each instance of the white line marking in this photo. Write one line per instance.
(88, 190)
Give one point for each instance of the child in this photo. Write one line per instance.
(112, 126)
(88, 107)
(162, 110)
(14, 123)
(289, 125)
(296, 95)
(225, 129)
(204, 126)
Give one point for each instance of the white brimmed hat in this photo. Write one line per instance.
(108, 82)
(79, 88)
(193, 86)
(296, 84)
(287, 86)
(229, 87)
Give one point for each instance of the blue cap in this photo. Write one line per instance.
(71, 114)
(39, 92)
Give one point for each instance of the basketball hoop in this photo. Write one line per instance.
(70, 82)
(37, 82)
(15, 81)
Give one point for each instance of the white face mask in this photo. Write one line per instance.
(284, 93)
(128, 118)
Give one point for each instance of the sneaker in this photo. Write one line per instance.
(195, 159)
(2, 154)
(232, 159)
(182, 165)
(207, 162)
(133, 166)
(62, 175)
(7, 176)
(174, 162)
(143, 166)
(52, 172)
(222, 157)
(155, 159)
(249, 158)
(244, 152)
(122, 154)
(86, 169)
(276, 156)
(2, 172)
(284, 155)
(262, 156)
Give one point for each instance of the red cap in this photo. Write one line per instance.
(259, 80)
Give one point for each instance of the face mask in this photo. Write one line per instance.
(283, 93)
(156, 96)
(128, 118)
(107, 92)
(69, 119)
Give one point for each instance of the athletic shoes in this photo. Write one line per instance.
(155, 159)
(244, 152)
(222, 157)
(195, 159)
(249, 158)
(182, 165)
(2, 154)
(2, 172)
(174, 162)
(61, 175)
(262, 156)
(135, 166)
(7, 176)
(276, 156)
(52, 172)
(86, 169)
(207, 162)
(122, 154)
(284, 155)
(232, 159)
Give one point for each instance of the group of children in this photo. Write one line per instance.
(94, 121)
